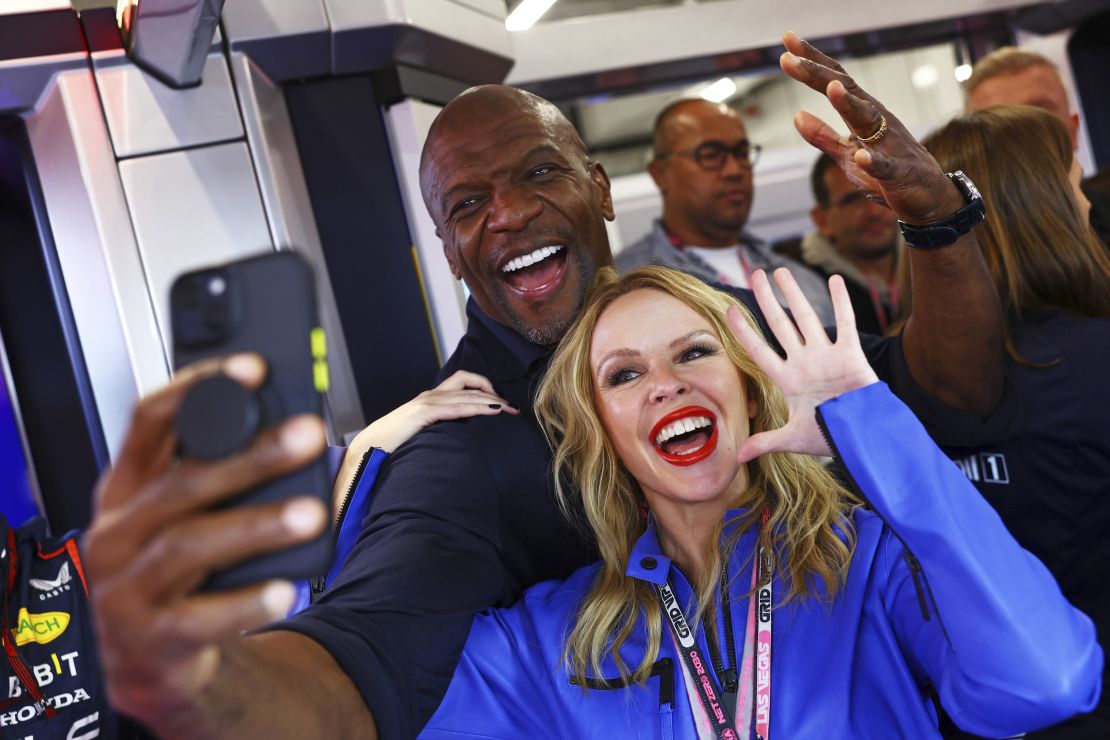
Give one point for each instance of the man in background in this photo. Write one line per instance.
(703, 169)
(858, 239)
(1012, 76)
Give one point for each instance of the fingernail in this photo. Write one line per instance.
(278, 597)
(301, 434)
(495, 405)
(246, 367)
(302, 516)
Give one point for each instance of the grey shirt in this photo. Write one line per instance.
(656, 248)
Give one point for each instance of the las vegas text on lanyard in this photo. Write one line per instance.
(752, 717)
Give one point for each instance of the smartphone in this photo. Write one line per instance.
(267, 305)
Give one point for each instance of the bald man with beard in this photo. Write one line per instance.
(463, 517)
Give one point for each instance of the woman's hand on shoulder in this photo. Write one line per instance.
(815, 368)
(461, 395)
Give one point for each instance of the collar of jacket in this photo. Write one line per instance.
(648, 562)
(509, 355)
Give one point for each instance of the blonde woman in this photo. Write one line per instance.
(742, 592)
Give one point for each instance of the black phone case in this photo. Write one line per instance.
(269, 307)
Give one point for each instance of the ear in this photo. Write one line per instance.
(601, 179)
(657, 168)
(1073, 129)
(450, 255)
(820, 218)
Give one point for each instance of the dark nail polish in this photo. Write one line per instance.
(495, 405)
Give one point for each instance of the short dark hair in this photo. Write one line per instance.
(817, 179)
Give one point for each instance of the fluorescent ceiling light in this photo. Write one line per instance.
(924, 76)
(720, 91)
(962, 72)
(526, 14)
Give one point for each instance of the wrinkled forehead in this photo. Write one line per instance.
(483, 131)
(837, 182)
(697, 123)
(1037, 85)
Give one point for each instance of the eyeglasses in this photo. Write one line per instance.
(711, 155)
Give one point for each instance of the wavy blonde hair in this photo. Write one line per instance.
(811, 530)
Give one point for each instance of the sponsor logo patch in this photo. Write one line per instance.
(50, 588)
(985, 467)
(40, 628)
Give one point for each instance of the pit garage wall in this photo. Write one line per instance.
(135, 182)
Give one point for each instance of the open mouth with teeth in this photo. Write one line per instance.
(685, 436)
(537, 270)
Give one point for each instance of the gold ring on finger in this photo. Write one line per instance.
(873, 138)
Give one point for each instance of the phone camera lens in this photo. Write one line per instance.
(214, 315)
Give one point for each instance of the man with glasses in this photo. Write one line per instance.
(703, 168)
(858, 239)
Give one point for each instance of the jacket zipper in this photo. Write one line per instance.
(920, 580)
(727, 679)
(320, 582)
(918, 574)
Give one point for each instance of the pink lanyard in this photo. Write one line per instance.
(745, 267)
(755, 673)
(759, 611)
(877, 302)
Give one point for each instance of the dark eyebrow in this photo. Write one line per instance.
(536, 151)
(718, 142)
(677, 342)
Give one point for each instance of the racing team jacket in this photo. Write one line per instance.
(52, 687)
(939, 598)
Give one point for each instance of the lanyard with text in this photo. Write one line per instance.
(755, 674)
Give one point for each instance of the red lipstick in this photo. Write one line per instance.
(683, 413)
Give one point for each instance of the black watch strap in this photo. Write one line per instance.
(947, 231)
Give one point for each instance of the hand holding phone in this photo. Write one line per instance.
(264, 305)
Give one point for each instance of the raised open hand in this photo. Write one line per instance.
(815, 369)
(888, 164)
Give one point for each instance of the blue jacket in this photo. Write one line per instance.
(988, 630)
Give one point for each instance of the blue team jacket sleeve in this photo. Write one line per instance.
(505, 683)
(1003, 648)
(358, 504)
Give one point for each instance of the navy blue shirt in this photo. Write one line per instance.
(464, 518)
(1049, 479)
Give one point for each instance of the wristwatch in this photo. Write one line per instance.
(947, 231)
